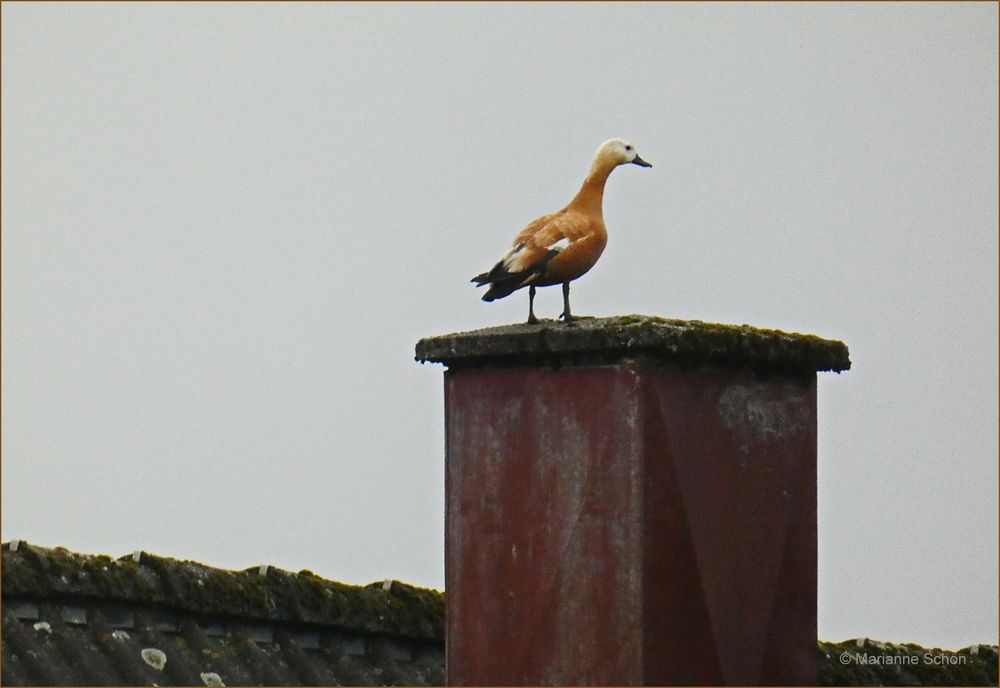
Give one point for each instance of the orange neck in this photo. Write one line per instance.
(591, 195)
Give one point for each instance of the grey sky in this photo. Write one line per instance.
(225, 226)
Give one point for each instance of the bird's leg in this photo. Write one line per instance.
(532, 320)
(566, 315)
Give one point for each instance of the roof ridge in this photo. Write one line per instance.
(262, 592)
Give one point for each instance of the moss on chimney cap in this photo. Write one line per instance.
(690, 343)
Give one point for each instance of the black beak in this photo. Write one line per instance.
(640, 162)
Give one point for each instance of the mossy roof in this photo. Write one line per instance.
(264, 593)
(62, 655)
(609, 340)
(866, 662)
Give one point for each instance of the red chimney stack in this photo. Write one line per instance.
(631, 501)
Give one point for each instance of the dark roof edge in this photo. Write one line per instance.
(690, 343)
(262, 593)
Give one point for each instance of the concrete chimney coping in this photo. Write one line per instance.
(588, 341)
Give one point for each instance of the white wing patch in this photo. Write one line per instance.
(515, 260)
(511, 258)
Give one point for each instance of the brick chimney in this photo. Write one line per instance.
(631, 501)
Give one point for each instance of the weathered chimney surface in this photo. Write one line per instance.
(631, 501)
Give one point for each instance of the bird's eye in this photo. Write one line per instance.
(628, 147)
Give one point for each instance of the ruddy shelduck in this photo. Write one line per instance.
(558, 248)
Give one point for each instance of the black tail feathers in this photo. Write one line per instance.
(502, 283)
(503, 288)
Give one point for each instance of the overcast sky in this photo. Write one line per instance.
(225, 227)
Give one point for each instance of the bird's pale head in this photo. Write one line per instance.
(618, 152)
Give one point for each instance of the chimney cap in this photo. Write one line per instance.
(589, 341)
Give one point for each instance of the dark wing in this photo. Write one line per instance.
(534, 247)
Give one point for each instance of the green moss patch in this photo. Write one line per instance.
(610, 340)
